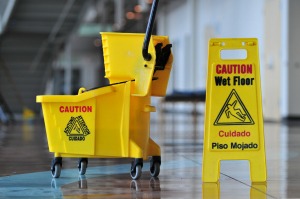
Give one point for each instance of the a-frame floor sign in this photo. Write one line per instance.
(233, 112)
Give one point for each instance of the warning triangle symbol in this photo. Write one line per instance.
(76, 130)
(233, 112)
(76, 126)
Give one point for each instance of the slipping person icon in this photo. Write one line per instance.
(235, 112)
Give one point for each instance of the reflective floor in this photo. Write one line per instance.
(25, 165)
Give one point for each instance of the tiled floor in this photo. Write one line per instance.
(25, 163)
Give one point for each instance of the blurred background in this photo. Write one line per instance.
(54, 46)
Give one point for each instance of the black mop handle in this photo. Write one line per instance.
(146, 54)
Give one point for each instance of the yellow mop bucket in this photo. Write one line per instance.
(71, 121)
(112, 121)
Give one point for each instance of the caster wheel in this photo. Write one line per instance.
(136, 172)
(82, 165)
(56, 167)
(155, 169)
(56, 170)
(155, 162)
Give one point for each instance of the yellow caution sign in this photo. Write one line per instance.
(233, 112)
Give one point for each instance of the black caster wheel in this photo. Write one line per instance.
(56, 167)
(82, 165)
(136, 168)
(155, 163)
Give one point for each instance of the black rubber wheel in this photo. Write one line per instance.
(56, 170)
(155, 169)
(82, 167)
(155, 162)
(56, 166)
(136, 173)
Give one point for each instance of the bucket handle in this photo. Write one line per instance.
(146, 54)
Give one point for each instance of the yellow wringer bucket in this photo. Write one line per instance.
(113, 121)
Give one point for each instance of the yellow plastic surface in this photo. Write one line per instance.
(233, 115)
(111, 121)
(124, 62)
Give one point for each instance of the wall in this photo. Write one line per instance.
(274, 12)
(191, 23)
(293, 61)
